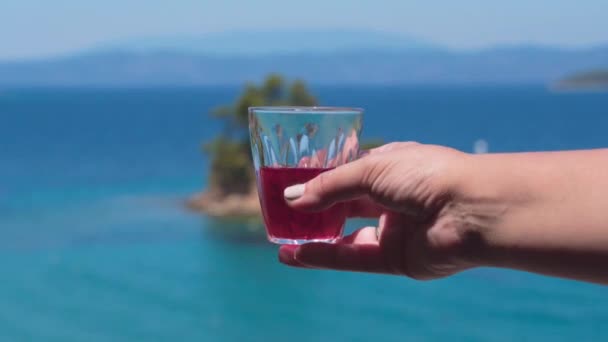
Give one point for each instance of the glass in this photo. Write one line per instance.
(291, 145)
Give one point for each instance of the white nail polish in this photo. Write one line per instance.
(294, 192)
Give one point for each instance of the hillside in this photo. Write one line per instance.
(277, 42)
(376, 60)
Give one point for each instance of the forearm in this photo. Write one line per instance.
(541, 212)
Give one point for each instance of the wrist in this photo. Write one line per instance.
(537, 212)
(489, 191)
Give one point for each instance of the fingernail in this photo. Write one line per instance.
(286, 255)
(294, 192)
(382, 221)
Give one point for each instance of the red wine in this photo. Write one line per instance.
(286, 225)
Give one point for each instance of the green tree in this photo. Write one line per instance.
(231, 166)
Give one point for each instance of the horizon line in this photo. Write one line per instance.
(101, 47)
(463, 51)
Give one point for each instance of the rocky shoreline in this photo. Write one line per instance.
(218, 204)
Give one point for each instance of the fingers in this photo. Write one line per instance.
(342, 257)
(346, 182)
(365, 235)
(287, 255)
(358, 252)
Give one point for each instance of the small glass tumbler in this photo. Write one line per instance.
(292, 145)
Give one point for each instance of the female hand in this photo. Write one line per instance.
(413, 190)
(442, 211)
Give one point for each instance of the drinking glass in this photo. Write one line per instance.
(292, 145)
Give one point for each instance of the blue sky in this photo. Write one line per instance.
(34, 28)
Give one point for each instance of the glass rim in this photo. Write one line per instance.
(307, 109)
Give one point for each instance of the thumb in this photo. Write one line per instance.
(346, 182)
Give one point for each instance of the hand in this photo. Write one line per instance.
(413, 190)
(442, 211)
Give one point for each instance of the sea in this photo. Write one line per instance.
(96, 244)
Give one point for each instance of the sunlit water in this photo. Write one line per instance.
(96, 245)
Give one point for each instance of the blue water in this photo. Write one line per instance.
(96, 246)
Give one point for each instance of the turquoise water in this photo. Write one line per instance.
(96, 245)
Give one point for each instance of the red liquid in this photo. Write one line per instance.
(285, 223)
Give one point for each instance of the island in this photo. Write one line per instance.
(588, 80)
(231, 192)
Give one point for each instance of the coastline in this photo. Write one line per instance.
(565, 87)
(219, 204)
(595, 80)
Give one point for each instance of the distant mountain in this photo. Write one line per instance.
(256, 43)
(387, 62)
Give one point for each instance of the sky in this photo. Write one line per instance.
(39, 28)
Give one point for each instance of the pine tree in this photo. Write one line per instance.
(231, 166)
